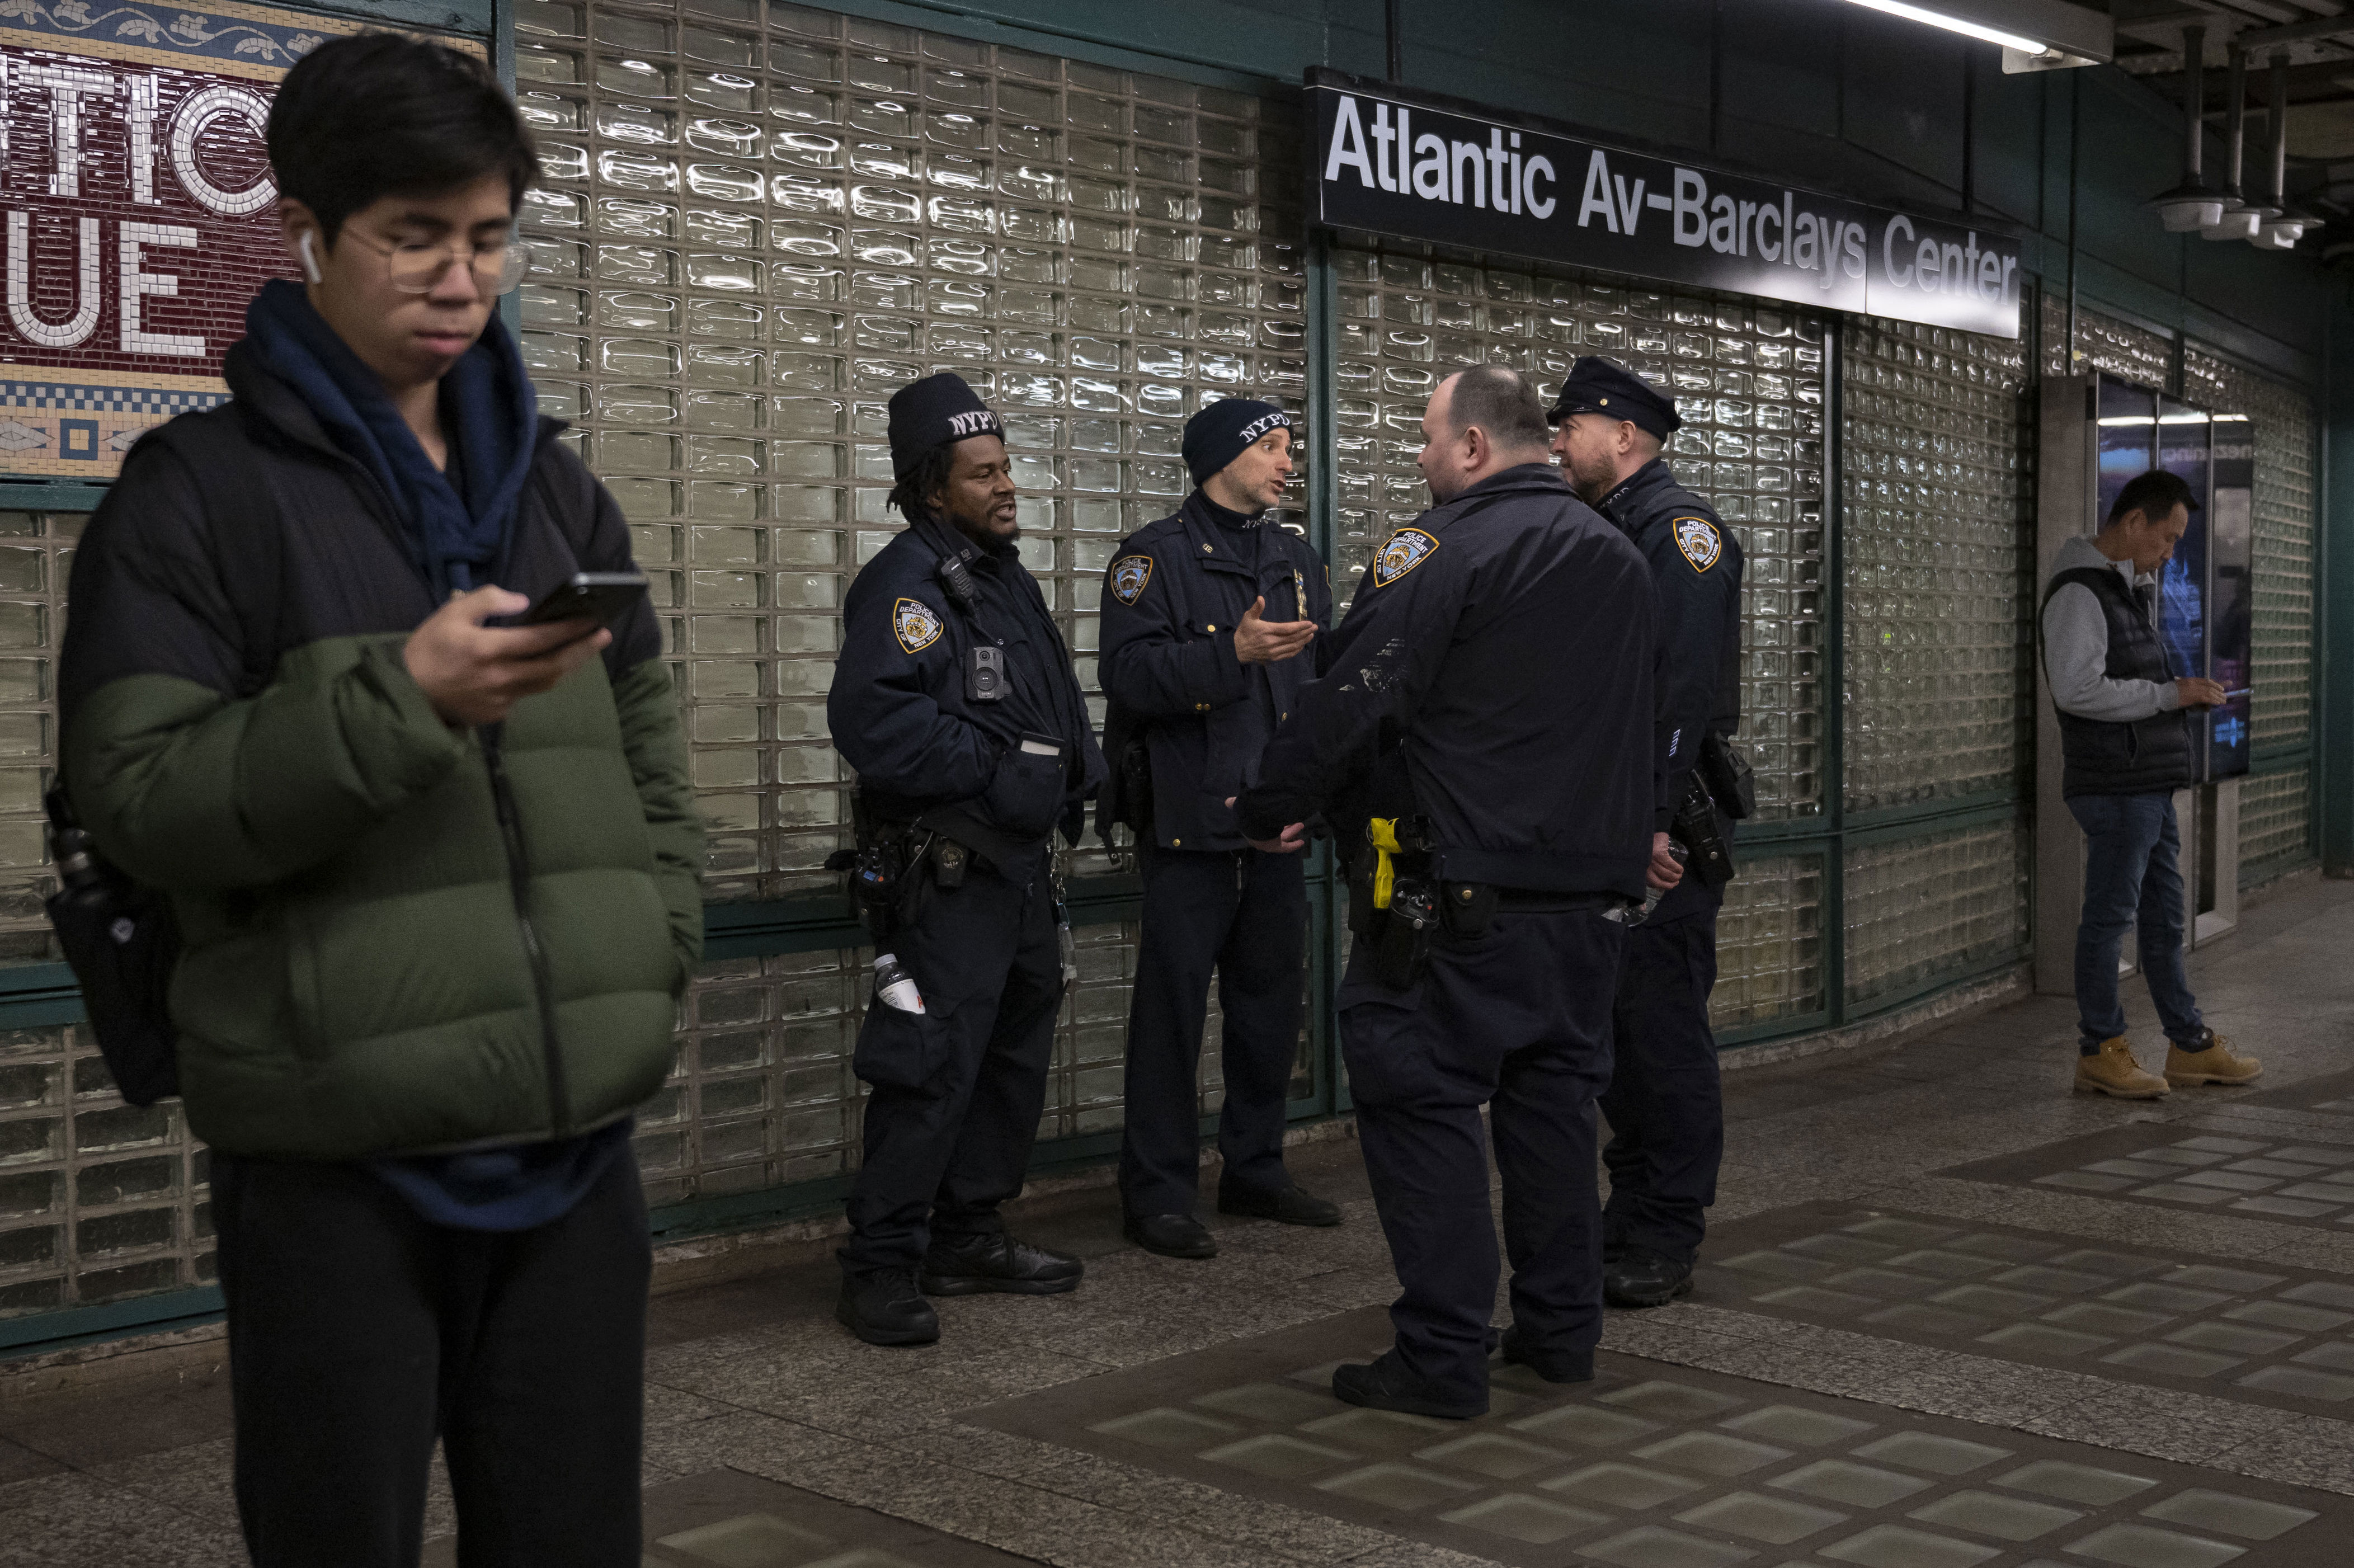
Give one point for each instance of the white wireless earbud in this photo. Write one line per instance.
(310, 261)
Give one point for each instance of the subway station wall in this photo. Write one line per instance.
(760, 218)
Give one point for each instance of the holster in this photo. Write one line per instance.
(1467, 908)
(1694, 826)
(1402, 952)
(1727, 776)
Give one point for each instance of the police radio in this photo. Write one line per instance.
(957, 581)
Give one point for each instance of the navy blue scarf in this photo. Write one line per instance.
(488, 406)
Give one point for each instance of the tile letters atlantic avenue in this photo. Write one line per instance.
(1392, 162)
(138, 213)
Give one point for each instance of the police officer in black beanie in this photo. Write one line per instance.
(1664, 1105)
(1210, 622)
(954, 700)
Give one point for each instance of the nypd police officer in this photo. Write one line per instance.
(954, 700)
(1482, 746)
(1210, 619)
(1667, 1118)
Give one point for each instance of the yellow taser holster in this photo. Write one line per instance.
(1382, 831)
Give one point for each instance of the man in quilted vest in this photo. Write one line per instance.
(2126, 739)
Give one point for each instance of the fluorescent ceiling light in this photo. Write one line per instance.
(2230, 419)
(2127, 419)
(1955, 25)
(2182, 419)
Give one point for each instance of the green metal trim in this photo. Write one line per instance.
(1925, 827)
(2333, 597)
(966, 21)
(1785, 830)
(2280, 756)
(816, 922)
(1833, 681)
(1772, 1030)
(1914, 811)
(160, 1313)
(49, 495)
(1943, 980)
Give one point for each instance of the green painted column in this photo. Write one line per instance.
(2334, 586)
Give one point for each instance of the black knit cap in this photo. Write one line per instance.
(933, 412)
(1599, 385)
(1225, 431)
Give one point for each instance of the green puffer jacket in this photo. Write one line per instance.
(398, 937)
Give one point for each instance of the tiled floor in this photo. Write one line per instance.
(2173, 1320)
(1653, 1467)
(1907, 1350)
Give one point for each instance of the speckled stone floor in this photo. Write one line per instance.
(1950, 1316)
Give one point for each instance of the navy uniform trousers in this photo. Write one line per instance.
(956, 1090)
(1517, 1020)
(1664, 1103)
(1245, 914)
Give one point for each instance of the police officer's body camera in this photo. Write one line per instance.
(1481, 745)
(1667, 1121)
(954, 700)
(1210, 629)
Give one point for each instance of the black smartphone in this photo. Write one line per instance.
(601, 596)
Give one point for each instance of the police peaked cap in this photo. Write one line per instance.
(1599, 385)
(1225, 431)
(933, 412)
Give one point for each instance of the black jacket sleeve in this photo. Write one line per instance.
(884, 720)
(1381, 664)
(1693, 612)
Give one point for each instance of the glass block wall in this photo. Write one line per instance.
(761, 220)
(2109, 345)
(1769, 943)
(1920, 908)
(2275, 823)
(1748, 377)
(1940, 560)
(35, 555)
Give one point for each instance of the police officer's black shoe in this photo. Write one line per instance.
(1550, 1367)
(1384, 1384)
(1641, 1277)
(1171, 1235)
(967, 1266)
(884, 1308)
(1286, 1205)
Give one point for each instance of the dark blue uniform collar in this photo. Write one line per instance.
(1212, 544)
(1504, 482)
(1624, 505)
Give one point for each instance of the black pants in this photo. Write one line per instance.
(1245, 914)
(957, 1089)
(357, 1332)
(1664, 1104)
(1519, 1021)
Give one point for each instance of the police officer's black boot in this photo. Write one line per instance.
(1171, 1235)
(883, 1307)
(968, 1265)
(1286, 1204)
(1386, 1384)
(1641, 1277)
(1552, 1368)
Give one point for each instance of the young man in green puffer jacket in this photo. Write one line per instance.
(435, 878)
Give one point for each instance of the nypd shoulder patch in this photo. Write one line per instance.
(1698, 539)
(1129, 575)
(915, 624)
(1407, 548)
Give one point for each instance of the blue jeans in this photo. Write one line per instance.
(2132, 881)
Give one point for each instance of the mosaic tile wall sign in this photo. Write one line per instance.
(137, 212)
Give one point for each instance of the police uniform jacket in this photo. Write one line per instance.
(898, 707)
(1696, 573)
(1172, 597)
(1507, 641)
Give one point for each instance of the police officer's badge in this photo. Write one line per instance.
(1129, 575)
(913, 623)
(1697, 538)
(1407, 548)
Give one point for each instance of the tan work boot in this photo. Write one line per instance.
(2215, 1064)
(2113, 1071)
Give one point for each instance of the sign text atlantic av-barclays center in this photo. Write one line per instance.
(1390, 161)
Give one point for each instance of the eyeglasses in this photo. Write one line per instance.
(498, 265)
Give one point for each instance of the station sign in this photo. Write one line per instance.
(1388, 160)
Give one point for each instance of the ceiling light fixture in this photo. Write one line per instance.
(2238, 219)
(2191, 204)
(2034, 35)
(2286, 224)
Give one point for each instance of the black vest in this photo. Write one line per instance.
(2104, 757)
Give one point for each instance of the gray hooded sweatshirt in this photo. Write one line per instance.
(2076, 646)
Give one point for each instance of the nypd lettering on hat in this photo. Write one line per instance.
(982, 422)
(1265, 424)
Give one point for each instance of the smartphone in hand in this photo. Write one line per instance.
(602, 597)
